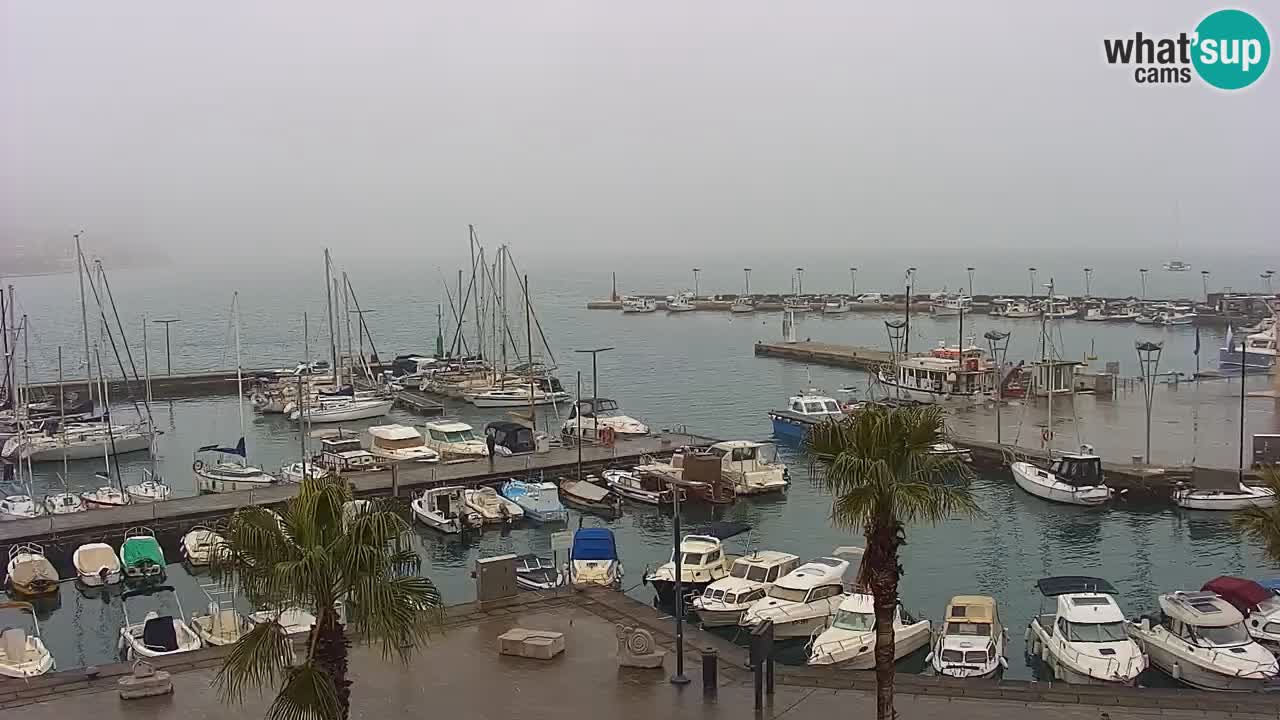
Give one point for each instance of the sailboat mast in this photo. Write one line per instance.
(302, 399)
(84, 319)
(503, 336)
(328, 297)
(1049, 369)
(62, 416)
(235, 319)
(528, 336)
(346, 310)
(471, 229)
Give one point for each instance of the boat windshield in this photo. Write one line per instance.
(739, 570)
(1269, 606)
(856, 621)
(453, 437)
(691, 559)
(963, 628)
(1096, 632)
(756, 573)
(777, 592)
(1219, 636)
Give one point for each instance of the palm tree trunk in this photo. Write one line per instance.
(881, 568)
(331, 655)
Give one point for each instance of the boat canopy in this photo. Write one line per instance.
(395, 432)
(594, 544)
(1079, 470)
(1201, 609)
(1244, 595)
(973, 609)
(142, 548)
(513, 436)
(1073, 584)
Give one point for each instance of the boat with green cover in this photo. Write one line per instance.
(140, 555)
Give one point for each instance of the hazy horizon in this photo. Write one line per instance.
(266, 130)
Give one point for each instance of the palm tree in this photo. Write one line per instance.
(309, 557)
(1262, 525)
(881, 476)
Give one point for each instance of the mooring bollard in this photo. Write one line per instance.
(710, 670)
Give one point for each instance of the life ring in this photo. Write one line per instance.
(197, 465)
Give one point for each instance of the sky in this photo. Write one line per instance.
(262, 129)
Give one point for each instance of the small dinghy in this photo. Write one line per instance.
(1238, 497)
(156, 635)
(221, 624)
(141, 556)
(199, 544)
(534, 572)
(97, 565)
(21, 655)
(590, 497)
(492, 507)
(30, 572)
(445, 510)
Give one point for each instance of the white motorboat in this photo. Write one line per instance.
(18, 507)
(724, 601)
(97, 565)
(1258, 350)
(593, 559)
(838, 306)
(850, 639)
(156, 635)
(63, 503)
(1200, 639)
(1020, 310)
(226, 475)
(399, 443)
(445, 509)
(949, 449)
(681, 302)
(1084, 640)
(1237, 498)
(702, 562)
(635, 305)
(947, 375)
(1074, 479)
(534, 572)
(1260, 607)
(742, 305)
(141, 555)
(107, 496)
(641, 487)
(753, 466)
(1175, 317)
(492, 507)
(296, 472)
(455, 440)
(151, 489)
(1096, 314)
(802, 601)
(23, 656)
(346, 409)
(796, 305)
(952, 307)
(1059, 308)
(972, 642)
(199, 545)
(515, 396)
(589, 416)
(540, 501)
(29, 573)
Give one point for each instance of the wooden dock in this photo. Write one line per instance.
(419, 402)
(818, 353)
(165, 387)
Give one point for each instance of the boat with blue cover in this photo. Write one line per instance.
(539, 500)
(593, 559)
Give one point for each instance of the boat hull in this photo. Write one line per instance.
(1226, 501)
(215, 483)
(1253, 361)
(358, 411)
(1040, 483)
(88, 450)
(1200, 677)
(719, 618)
(789, 427)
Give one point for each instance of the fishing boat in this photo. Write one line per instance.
(534, 572)
(642, 487)
(849, 641)
(638, 305)
(1059, 307)
(444, 509)
(1021, 309)
(221, 623)
(492, 507)
(226, 474)
(1084, 640)
(399, 443)
(753, 467)
(151, 489)
(1200, 639)
(944, 376)
(141, 555)
(515, 396)
(796, 305)
(156, 635)
(539, 500)
(1073, 478)
(199, 545)
(1260, 607)
(836, 306)
(803, 411)
(972, 642)
(593, 559)
(680, 302)
(97, 565)
(23, 656)
(702, 562)
(63, 503)
(951, 307)
(455, 440)
(1175, 317)
(801, 602)
(589, 497)
(724, 601)
(589, 416)
(29, 573)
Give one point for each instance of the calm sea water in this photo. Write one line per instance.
(695, 370)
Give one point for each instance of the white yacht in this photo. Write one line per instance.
(399, 443)
(445, 509)
(946, 375)
(23, 656)
(589, 416)
(77, 442)
(642, 487)
(702, 562)
(724, 601)
(455, 440)
(1200, 639)
(344, 409)
(638, 305)
(1074, 479)
(97, 565)
(297, 471)
(1260, 607)
(850, 640)
(491, 507)
(802, 601)
(1084, 640)
(522, 395)
(680, 302)
(225, 475)
(742, 305)
(972, 642)
(156, 635)
(1258, 348)
(106, 496)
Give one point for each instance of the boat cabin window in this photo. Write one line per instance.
(691, 559)
(453, 437)
(797, 406)
(750, 596)
(823, 592)
(1228, 636)
(1094, 632)
(964, 628)
(831, 406)
(855, 621)
(813, 407)
(1079, 472)
(387, 444)
(744, 453)
(976, 657)
(786, 594)
(712, 557)
(739, 570)
(774, 572)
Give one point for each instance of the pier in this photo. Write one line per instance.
(170, 387)
(819, 353)
(418, 402)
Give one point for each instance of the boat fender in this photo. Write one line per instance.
(1176, 671)
(198, 465)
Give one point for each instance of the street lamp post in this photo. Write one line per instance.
(1143, 273)
(747, 274)
(906, 333)
(695, 281)
(1148, 364)
(799, 281)
(168, 359)
(679, 677)
(1204, 283)
(970, 271)
(1032, 272)
(853, 283)
(1266, 279)
(595, 392)
(1088, 284)
(998, 343)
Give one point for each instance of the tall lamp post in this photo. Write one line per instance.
(1032, 272)
(853, 283)
(594, 389)
(695, 281)
(168, 358)
(679, 677)
(998, 343)
(1088, 282)
(970, 271)
(799, 281)
(747, 274)
(1266, 279)
(906, 333)
(1143, 273)
(1204, 283)
(1148, 364)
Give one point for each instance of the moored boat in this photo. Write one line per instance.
(141, 555)
(849, 641)
(1074, 479)
(492, 507)
(1084, 640)
(972, 641)
(724, 601)
(155, 635)
(593, 559)
(444, 509)
(800, 603)
(589, 497)
(29, 573)
(540, 501)
(703, 561)
(97, 565)
(23, 655)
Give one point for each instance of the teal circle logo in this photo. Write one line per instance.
(1231, 49)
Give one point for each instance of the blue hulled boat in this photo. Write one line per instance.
(540, 501)
(803, 412)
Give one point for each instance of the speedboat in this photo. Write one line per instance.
(346, 409)
(702, 562)
(23, 656)
(141, 555)
(1198, 638)
(445, 510)
(151, 489)
(850, 640)
(803, 411)
(455, 440)
(972, 642)
(199, 544)
(540, 501)
(157, 635)
(534, 572)
(681, 302)
(1074, 479)
(724, 601)
(227, 475)
(1238, 498)
(1084, 641)
(18, 507)
(63, 503)
(642, 487)
(96, 565)
(29, 573)
(399, 443)
(492, 507)
(593, 559)
(635, 305)
(522, 395)
(802, 601)
(589, 497)
(1259, 606)
(589, 416)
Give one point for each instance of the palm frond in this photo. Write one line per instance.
(308, 693)
(258, 659)
(1262, 525)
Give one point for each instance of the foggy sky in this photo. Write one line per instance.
(266, 128)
